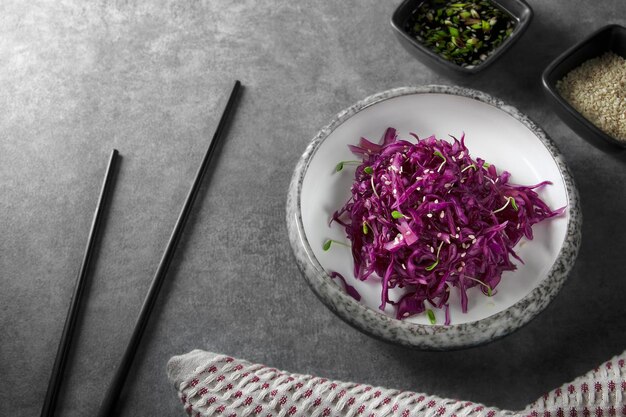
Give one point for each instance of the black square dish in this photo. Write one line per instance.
(518, 10)
(610, 38)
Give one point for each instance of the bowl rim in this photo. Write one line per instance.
(430, 337)
(550, 88)
(520, 28)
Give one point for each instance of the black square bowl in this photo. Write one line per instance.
(607, 38)
(519, 10)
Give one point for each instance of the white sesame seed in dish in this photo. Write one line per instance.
(597, 90)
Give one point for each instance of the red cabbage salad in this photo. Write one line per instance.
(427, 218)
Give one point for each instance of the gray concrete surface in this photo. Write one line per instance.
(150, 78)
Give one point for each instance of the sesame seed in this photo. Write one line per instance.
(597, 89)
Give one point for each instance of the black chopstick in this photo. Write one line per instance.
(115, 388)
(58, 369)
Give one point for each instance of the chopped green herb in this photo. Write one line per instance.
(464, 33)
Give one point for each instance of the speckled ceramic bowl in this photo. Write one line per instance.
(494, 131)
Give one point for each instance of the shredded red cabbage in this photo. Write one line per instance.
(426, 217)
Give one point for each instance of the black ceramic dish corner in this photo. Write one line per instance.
(518, 9)
(608, 38)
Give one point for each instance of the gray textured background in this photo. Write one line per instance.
(151, 78)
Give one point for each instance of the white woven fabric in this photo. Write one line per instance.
(209, 384)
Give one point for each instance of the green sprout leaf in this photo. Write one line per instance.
(327, 244)
(396, 214)
(431, 267)
(509, 200)
(431, 316)
(365, 229)
(468, 167)
(440, 155)
(368, 170)
(340, 165)
(488, 287)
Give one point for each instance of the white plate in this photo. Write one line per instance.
(493, 131)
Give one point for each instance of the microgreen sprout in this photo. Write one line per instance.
(489, 290)
(397, 215)
(431, 316)
(431, 267)
(329, 242)
(440, 155)
(374, 187)
(340, 165)
(468, 167)
(365, 228)
(508, 200)
(368, 170)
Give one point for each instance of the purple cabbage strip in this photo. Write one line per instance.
(350, 290)
(426, 217)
